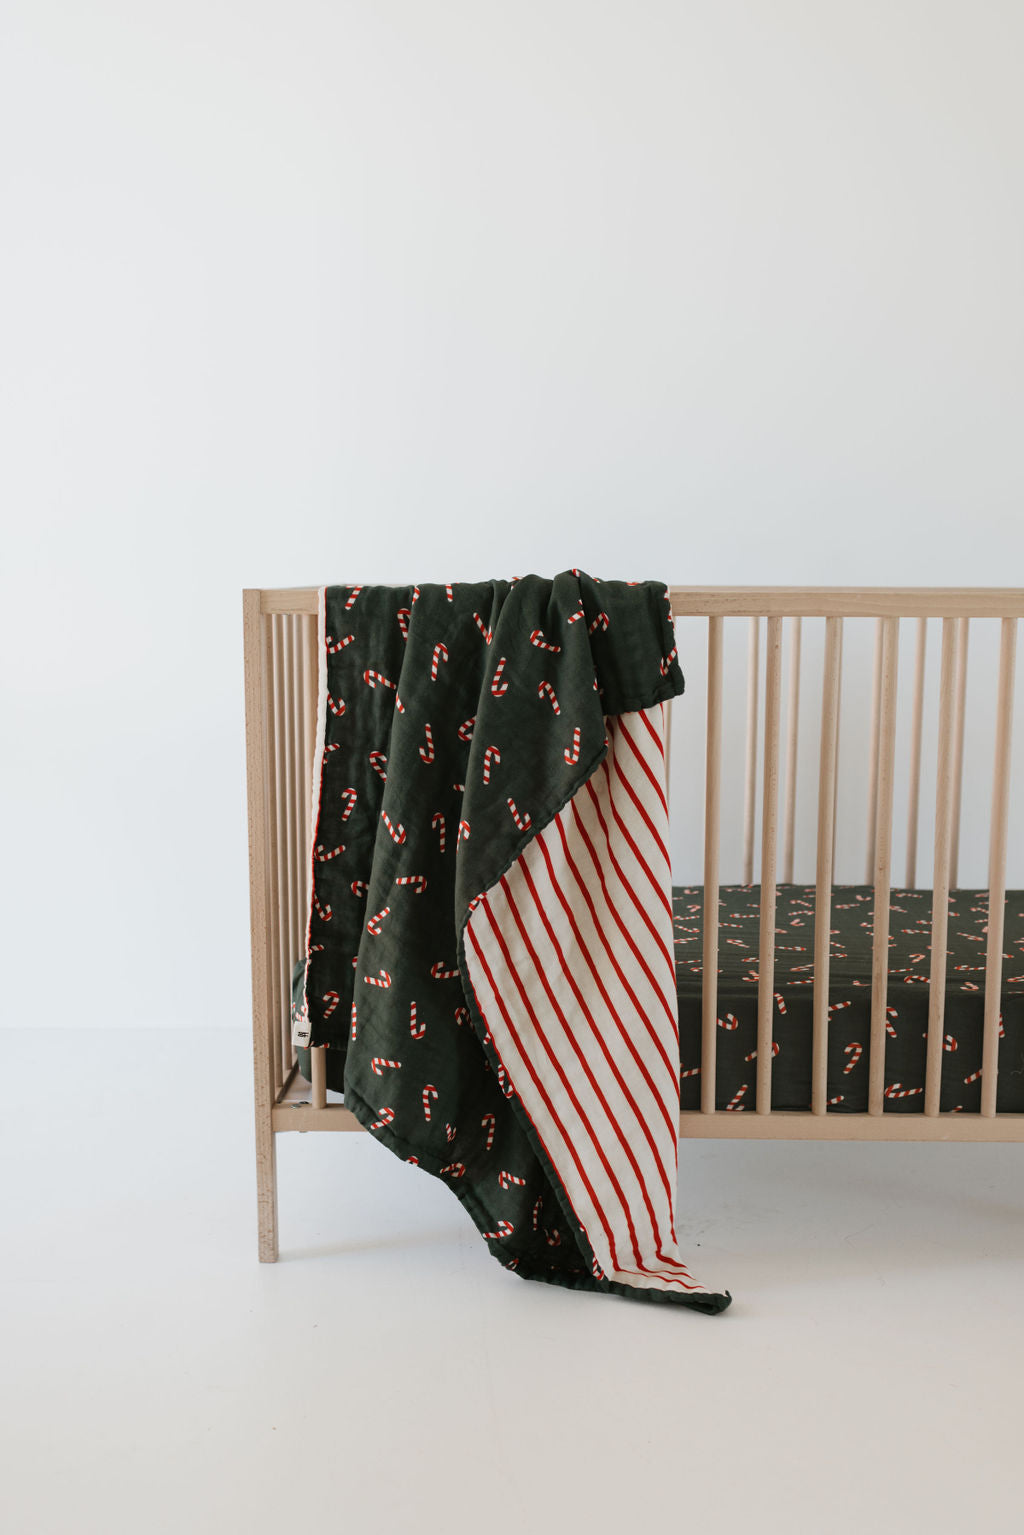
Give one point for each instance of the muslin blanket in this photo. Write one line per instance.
(490, 944)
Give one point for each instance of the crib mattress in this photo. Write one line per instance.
(849, 1049)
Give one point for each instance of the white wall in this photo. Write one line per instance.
(304, 292)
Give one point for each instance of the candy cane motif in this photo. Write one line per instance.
(545, 687)
(336, 705)
(973, 1077)
(323, 912)
(574, 618)
(488, 634)
(536, 1211)
(397, 832)
(552, 1237)
(441, 972)
(415, 595)
(466, 728)
(694, 1071)
(427, 752)
(333, 645)
(399, 705)
(492, 754)
(437, 824)
(377, 679)
(734, 1103)
(537, 638)
(897, 1090)
(455, 1168)
(497, 686)
(753, 1054)
(572, 754)
(349, 797)
(890, 1012)
(403, 615)
(381, 979)
(417, 881)
(440, 654)
(450, 1132)
(378, 1063)
(505, 1229)
(461, 1016)
(360, 888)
(523, 820)
(448, 591)
(386, 1116)
(837, 1007)
(487, 1123)
(780, 999)
(334, 999)
(417, 1030)
(378, 762)
(600, 622)
(354, 1021)
(463, 833)
(373, 925)
(730, 1021)
(837, 1099)
(504, 1079)
(665, 664)
(322, 857)
(355, 593)
(428, 1093)
(506, 1180)
(855, 1052)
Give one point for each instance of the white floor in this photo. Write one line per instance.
(388, 1374)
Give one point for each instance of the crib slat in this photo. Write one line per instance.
(997, 868)
(281, 823)
(876, 702)
(769, 839)
(883, 853)
(712, 807)
(839, 758)
(277, 989)
(261, 895)
(792, 732)
(914, 798)
(823, 890)
(318, 1077)
(944, 782)
(962, 625)
(753, 671)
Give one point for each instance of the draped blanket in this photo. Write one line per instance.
(490, 943)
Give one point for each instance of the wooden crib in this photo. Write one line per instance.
(281, 689)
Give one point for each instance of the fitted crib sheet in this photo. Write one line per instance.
(849, 1050)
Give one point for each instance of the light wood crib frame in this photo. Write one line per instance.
(280, 694)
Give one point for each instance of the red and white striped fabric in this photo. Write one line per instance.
(571, 958)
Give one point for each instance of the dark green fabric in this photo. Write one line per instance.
(459, 745)
(849, 1047)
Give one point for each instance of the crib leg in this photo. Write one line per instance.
(266, 1192)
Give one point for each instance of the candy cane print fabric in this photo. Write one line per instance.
(489, 944)
(571, 959)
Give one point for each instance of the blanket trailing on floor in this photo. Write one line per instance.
(490, 945)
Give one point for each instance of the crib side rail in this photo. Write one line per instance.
(281, 683)
(776, 606)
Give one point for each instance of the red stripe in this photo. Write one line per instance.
(659, 740)
(620, 1080)
(631, 778)
(658, 883)
(672, 1012)
(610, 1009)
(672, 1067)
(645, 766)
(627, 885)
(556, 1063)
(619, 1269)
(528, 1063)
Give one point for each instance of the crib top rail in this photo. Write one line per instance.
(782, 601)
